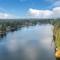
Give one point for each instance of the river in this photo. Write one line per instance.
(28, 43)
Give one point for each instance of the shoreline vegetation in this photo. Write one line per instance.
(7, 25)
(13, 24)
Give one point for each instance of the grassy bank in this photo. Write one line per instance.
(57, 38)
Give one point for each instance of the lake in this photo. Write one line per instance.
(28, 43)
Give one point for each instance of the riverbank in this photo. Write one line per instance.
(57, 36)
(57, 40)
(13, 24)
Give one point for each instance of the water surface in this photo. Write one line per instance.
(28, 43)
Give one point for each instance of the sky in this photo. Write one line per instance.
(11, 9)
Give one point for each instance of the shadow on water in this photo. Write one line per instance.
(2, 35)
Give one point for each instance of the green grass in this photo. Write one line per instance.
(57, 36)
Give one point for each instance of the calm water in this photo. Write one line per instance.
(32, 43)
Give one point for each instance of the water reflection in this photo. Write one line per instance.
(32, 43)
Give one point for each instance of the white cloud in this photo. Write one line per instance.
(34, 13)
(54, 13)
(7, 16)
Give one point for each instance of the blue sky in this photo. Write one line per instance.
(21, 7)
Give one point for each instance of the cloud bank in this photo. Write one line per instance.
(54, 13)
